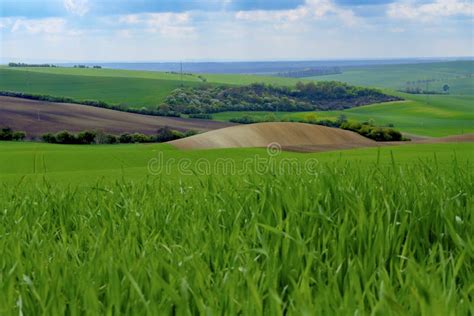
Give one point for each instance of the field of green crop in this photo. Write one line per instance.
(81, 164)
(130, 91)
(458, 75)
(211, 78)
(89, 230)
(134, 89)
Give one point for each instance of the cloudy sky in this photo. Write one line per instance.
(172, 30)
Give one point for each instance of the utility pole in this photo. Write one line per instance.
(181, 67)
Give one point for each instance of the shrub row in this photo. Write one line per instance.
(201, 116)
(366, 129)
(8, 134)
(91, 137)
(380, 134)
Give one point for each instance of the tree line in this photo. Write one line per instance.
(329, 95)
(31, 65)
(162, 135)
(7, 134)
(310, 72)
(85, 66)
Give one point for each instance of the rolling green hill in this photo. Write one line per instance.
(211, 78)
(134, 92)
(433, 115)
(135, 89)
(459, 75)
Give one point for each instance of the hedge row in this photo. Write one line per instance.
(365, 129)
(90, 137)
(8, 134)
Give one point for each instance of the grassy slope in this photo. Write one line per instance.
(395, 76)
(84, 164)
(90, 72)
(133, 88)
(356, 237)
(135, 92)
(211, 78)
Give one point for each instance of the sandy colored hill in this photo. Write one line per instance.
(291, 136)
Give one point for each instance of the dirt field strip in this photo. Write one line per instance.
(39, 117)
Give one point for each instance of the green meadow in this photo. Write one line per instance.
(135, 92)
(134, 89)
(90, 230)
(457, 74)
(81, 164)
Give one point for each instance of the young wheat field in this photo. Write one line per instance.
(353, 236)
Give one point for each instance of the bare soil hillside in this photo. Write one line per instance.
(291, 136)
(39, 117)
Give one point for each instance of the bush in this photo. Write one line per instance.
(379, 134)
(110, 139)
(141, 138)
(201, 116)
(88, 137)
(165, 134)
(65, 137)
(85, 137)
(49, 138)
(125, 139)
(189, 133)
(6, 133)
(245, 120)
(19, 136)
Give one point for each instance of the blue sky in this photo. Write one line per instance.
(170, 30)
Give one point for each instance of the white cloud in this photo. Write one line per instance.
(406, 9)
(35, 26)
(5, 22)
(311, 9)
(77, 7)
(166, 23)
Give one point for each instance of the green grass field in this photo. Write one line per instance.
(82, 164)
(458, 75)
(135, 89)
(133, 92)
(88, 230)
